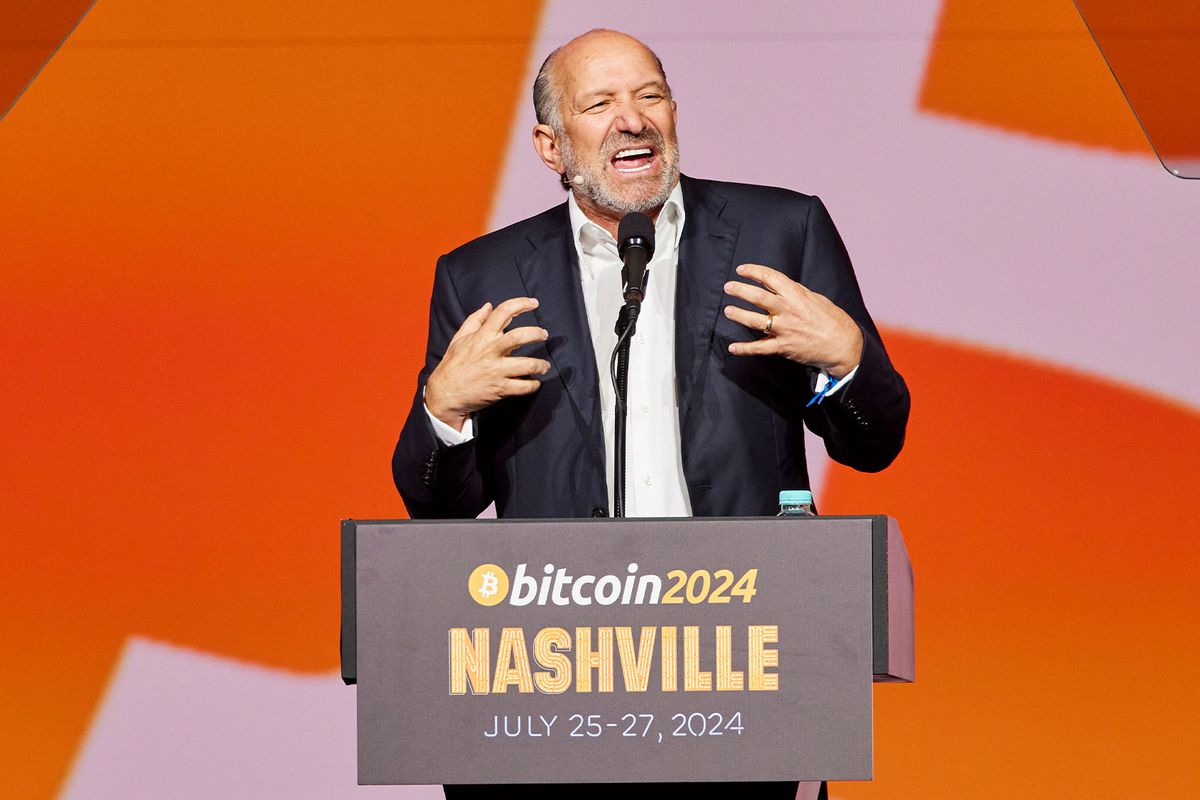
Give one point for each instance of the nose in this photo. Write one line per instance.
(631, 120)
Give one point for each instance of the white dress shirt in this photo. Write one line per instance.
(654, 479)
(655, 484)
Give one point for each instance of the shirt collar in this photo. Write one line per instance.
(589, 237)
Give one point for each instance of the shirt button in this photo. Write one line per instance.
(645, 408)
(648, 480)
(642, 338)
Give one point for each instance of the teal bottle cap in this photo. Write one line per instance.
(795, 497)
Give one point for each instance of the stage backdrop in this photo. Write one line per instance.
(218, 224)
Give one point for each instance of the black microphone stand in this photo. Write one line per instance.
(619, 369)
(635, 234)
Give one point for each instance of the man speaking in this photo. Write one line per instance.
(751, 309)
(752, 326)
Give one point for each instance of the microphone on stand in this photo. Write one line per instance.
(635, 245)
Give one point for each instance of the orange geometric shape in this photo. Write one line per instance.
(1051, 521)
(1027, 66)
(219, 222)
(1153, 48)
(30, 33)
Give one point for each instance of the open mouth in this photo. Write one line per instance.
(634, 159)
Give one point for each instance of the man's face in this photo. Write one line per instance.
(618, 126)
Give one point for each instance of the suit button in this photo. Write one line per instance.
(599, 512)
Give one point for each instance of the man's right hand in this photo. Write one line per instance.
(478, 368)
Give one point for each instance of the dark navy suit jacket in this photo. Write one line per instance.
(741, 417)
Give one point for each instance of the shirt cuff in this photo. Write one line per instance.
(822, 379)
(446, 435)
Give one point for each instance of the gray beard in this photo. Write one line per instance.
(595, 188)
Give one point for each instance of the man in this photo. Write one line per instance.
(752, 309)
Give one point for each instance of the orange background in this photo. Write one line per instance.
(219, 223)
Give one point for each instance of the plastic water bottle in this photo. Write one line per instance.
(795, 503)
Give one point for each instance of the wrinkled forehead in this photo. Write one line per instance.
(605, 65)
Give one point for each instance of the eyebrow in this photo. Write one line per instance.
(655, 83)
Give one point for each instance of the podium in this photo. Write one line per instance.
(632, 650)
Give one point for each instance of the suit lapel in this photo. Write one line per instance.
(550, 272)
(705, 264)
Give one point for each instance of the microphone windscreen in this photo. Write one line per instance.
(635, 228)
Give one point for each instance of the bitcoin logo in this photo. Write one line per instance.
(488, 585)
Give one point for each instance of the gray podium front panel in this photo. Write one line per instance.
(757, 667)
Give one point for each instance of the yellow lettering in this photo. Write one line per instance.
(760, 658)
(600, 659)
(469, 658)
(694, 680)
(512, 663)
(728, 679)
(670, 661)
(546, 645)
(636, 669)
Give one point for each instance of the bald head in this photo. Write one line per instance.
(556, 71)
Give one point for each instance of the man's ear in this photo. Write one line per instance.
(545, 142)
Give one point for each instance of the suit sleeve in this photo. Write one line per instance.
(863, 425)
(435, 480)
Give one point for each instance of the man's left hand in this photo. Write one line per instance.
(798, 324)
